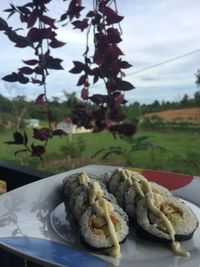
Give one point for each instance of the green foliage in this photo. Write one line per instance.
(175, 158)
(134, 143)
(133, 112)
(193, 160)
(157, 123)
(74, 149)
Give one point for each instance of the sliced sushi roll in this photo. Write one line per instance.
(132, 197)
(158, 215)
(166, 219)
(119, 183)
(82, 202)
(101, 232)
(102, 222)
(70, 183)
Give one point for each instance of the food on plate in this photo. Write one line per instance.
(158, 215)
(102, 222)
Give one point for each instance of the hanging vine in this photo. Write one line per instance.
(98, 111)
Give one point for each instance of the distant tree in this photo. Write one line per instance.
(185, 101)
(156, 105)
(71, 99)
(133, 112)
(198, 78)
(197, 98)
(5, 104)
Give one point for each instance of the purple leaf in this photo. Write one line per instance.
(31, 62)
(82, 80)
(90, 14)
(41, 134)
(23, 9)
(11, 13)
(32, 19)
(39, 70)
(84, 93)
(118, 98)
(124, 85)
(37, 35)
(3, 25)
(125, 128)
(38, 150)
(78, 67)
(16, 77)
(63, 17)
(111, 16)
(113, 36)
(36, 81)
(26, 70)
(81, 24)
(18, 139)
(73, 9)
(56, 44)
(81, 118)
(11, 77)
(59, 132)
(117, 116)
(19, 40)
(49, 21)
(53, 63)
(11, 10)
(96, 78)
(41, 100)
(124, 64)
(22, 79)
(116, 50)
(25, 138)
(41, 2)
(99, 99)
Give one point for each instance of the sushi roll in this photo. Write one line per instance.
(103, 231)
(156, 214)
(102, 222)
(132, 197)
(166, 219)
(119, 183)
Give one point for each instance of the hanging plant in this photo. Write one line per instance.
(98, 111)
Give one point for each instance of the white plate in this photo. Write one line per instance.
(33, 224)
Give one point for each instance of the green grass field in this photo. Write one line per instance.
(181, 152)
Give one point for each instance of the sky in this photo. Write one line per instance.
(154, 31)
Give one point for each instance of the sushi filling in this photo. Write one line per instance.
(99, 225)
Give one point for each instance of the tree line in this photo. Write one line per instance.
(184, 102)
(19, 108)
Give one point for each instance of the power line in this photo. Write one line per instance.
(158, 64)
(164, 62)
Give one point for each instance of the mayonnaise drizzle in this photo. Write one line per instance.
(154, 201)
(102, 208)
(83, 179)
